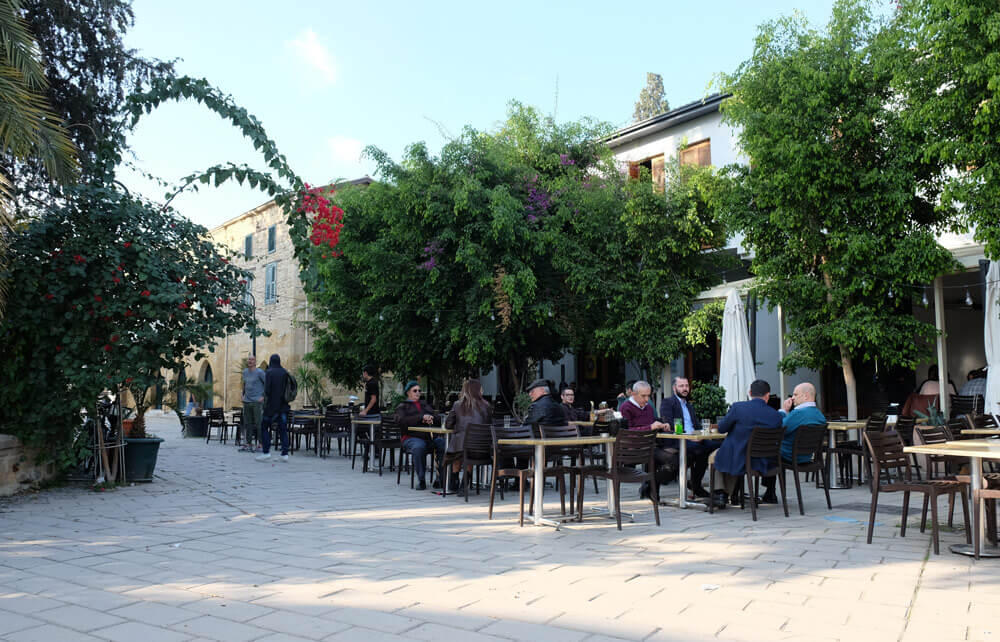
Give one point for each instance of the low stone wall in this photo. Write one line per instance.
(17, 467)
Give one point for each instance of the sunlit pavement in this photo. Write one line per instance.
(221, 547)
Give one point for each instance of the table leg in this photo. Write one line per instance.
(354, 435)
(371, 449)
(609, 458)
(976, 483)
(318, 436)
(682, 475)
(831, 443)
(538, 487)
(447, 473)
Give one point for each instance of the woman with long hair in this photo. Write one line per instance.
(470, 408)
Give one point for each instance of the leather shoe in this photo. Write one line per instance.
(698, 490)
(422, 485)
(720, 500)
(644, 491)
(768, 498)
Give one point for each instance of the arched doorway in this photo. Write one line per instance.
(206, 377)
(181, 395)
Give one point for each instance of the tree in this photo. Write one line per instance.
(110, 290)
(946, 68)
(652, 99)
(838, 204)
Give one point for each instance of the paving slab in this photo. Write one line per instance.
(221, 547)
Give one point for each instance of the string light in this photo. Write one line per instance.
(890, 292)
(968, 298)
(666, 295)
(924, 298)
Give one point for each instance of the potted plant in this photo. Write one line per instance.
(141, 448)
(193, 425)
(708, 399)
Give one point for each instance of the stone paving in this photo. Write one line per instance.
(221, 547)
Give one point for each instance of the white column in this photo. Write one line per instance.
(942, 346)
(781, 353)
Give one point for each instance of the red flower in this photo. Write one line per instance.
(79, 259)
(144, 293)
(58, 348)
(129, 313)
(128, 244)
(107, 347)
(116, 279)
(97, 298)
(129, 380)
(50, 296)
(183, 306)
(114, 338)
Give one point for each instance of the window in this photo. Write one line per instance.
(272, 238)
(699, 154)
(248, 291)
(248, 247)
(270, 283)
(655, 167)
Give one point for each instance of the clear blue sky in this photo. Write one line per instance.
(327, 78)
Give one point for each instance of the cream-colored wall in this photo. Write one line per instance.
(288, 339)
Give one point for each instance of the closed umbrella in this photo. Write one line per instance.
(736, 367)
(991, 338)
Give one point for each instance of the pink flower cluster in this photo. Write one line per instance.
(327, 218)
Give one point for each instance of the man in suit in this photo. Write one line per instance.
(799, 410)
(679, 407)
(739, 422)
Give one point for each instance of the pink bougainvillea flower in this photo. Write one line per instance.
(127, 244)
(50, 296)
(107, 347)
(144, 293)
(183, 306)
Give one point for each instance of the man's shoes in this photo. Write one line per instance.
(768, 498)
(421, 485)
(436, 484)
(698, 490)
(453, 485)
(644, 491)
(720, 499)
(284, 458)
(264, 457)
(737, 498)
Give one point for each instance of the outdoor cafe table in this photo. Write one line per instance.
(982, 432)
(371, 423)
(538, 485)
(436, 430)
(682, 474)
(834, 427)
(976, 450)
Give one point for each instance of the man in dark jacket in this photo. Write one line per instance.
(739, 422)
(544, 409)
(275, 408)
(571, 413)
(414, 412)
(678, 407)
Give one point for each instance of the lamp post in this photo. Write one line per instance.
(253, 328)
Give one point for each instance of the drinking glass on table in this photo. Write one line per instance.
(706, 425)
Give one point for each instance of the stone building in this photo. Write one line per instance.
(261, 239)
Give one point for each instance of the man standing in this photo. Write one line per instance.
(543, 409)
(639, 415)
(253, 402)
(275, 408)
(679, 407)
(739, 422)
(371, 403)
(799, 410)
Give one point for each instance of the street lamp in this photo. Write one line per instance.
(253, 328)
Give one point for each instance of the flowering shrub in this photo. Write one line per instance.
(327, 219)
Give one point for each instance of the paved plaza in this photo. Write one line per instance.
(221, 547)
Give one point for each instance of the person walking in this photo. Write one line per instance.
(275, 408)
(253, 402)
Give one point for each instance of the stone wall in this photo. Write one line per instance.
(17, 467)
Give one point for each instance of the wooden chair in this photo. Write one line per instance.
(633, 448)
(388, 438)
(966, 404)
(886, 451)
(217, 420)
(477, 451)
(557, 457)
(335, 425)
(904, 426)
(809, 440)
(236, 423)
(764, 443)
(937, 435)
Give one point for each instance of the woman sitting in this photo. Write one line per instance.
(470, 408)
(413, 412)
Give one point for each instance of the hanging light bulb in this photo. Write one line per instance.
(968, 298)
(380, 317)
(437, 318)
(924, 298)
(492, 318)
(550, 314)
(890, 292)
(666, 295)
(609, 305)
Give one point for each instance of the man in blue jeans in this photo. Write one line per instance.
(414, 412)
(275, 408)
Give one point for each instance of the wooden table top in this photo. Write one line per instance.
(365, 420)
(692, 436)
(581, 422)
(434, 430)
(984, 448)
(846, 425)
(982, 431)
(557, 441)
(299, 415)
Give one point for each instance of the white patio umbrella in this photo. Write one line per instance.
(991, 337)
(736, 367)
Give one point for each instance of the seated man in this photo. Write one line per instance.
(975, 384)
(799, 410)
(639, 414)
(739, 422)
(543, 409)
(414, 412)
(568, 396)
(678, 407)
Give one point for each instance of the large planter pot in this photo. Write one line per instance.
(140, 458)
(195, 426)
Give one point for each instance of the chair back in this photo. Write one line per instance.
(478, 442)
(216, 417)
(964, 404)
(809, 440)
(237, 415)
(764, 443)
(934, 434)
(981, 421)
(875, 423)
(904, 426)
(388, 431)
(633, 447)
(558, 432)
(336, 421)
(516, 431)
(956, 425)
(886, 449)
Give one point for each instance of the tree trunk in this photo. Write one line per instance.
(850, 384)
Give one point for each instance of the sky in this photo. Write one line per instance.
(328, 78)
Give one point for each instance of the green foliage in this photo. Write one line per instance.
(945, 62)
(110, 290)
(933, 415)
(839, 205)
(652, 99)
(703, 322)
(200, 391)
(708, 399)
(311, 380)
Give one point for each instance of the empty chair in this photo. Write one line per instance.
(810, 441)
(217, 420)
(633, 448)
